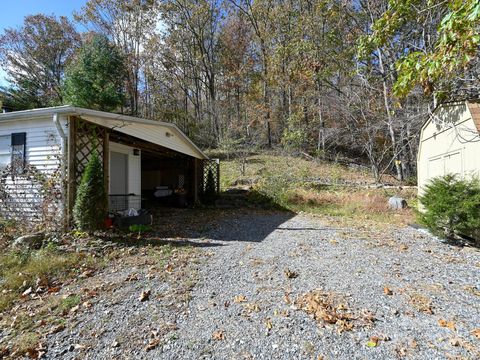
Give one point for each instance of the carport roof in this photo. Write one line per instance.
(157, 132)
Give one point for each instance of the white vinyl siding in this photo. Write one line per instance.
(42, 151)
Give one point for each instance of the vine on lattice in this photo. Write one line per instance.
(31, 195)
(211, 166)
(88, 138)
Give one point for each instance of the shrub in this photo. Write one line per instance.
(210, 190)
(451, 206)
(91, 201)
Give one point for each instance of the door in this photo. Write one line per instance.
(118, 173)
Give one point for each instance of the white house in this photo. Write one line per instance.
(450, 142)
(43, 153)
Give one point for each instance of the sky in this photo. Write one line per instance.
(13, 12)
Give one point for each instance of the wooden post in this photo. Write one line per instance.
(71, 173)
(106, 160)
(217, 161)
(196, 185)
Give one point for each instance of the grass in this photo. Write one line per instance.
(288, 183)
(20, 270)
(289, 167)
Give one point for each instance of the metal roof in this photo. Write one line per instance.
(157, 132)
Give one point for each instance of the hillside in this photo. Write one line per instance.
(343, 193)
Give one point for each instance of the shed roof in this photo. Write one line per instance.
(158, 132)
(474, 107)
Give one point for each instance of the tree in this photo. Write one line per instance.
(456, 41)
(95, 78)
(34, 58)
(129, 24)
(90, 206)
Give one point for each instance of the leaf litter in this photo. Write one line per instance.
(328, 308)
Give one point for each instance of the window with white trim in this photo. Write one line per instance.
(5, 150)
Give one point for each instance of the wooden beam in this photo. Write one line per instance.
(71, 180)
(106, 160)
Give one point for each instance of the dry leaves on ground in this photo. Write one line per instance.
(239, 299)
(448, 324)
(387, 291)
(326, 308)
(218, 335)
(145, 295)
(290, 274)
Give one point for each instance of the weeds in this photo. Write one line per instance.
(20, 270)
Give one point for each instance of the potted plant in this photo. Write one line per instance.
(181, 194)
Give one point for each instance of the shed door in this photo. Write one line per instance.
(435, 167)
(118, 173)
(453, 163)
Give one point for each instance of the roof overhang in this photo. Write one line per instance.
(157, 132)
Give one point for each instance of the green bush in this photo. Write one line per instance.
(452, 206)
(91, 201)
(210, 190)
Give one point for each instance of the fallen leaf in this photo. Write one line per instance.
(145, 295)
(27, 292)
(290, 274)
(268, 324)
(218, 335)
(132, 277)
(387, 291)
(87, 304)
(239, 299)
(56, 329)
(373, 342)
(86, 273)
(476, 333)
(115, 344)
(252, 307)
(455, 341)
(152, 344)
(448, 324)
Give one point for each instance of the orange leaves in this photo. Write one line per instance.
(218, 335)
(447, 324)
(387, 291)
(325, 308)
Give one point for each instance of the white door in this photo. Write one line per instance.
(453, 164)
(118, 173)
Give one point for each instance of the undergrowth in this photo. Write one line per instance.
(20, 270)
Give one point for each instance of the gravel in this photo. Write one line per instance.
(238, 307)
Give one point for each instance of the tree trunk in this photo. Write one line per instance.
(391, 130)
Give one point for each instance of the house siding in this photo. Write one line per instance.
(23, 199)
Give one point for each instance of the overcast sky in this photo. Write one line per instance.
(13, 12)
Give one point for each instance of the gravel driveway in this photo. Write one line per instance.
(406, 294)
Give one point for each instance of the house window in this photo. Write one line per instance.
(5, 154)
(18, 152)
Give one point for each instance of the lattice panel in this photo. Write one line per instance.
(213, 166)
(88, 138)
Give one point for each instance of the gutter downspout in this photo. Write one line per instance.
(63, 163)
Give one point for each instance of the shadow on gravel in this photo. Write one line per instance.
(308, 229)
(154, 242)
(249, 226)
